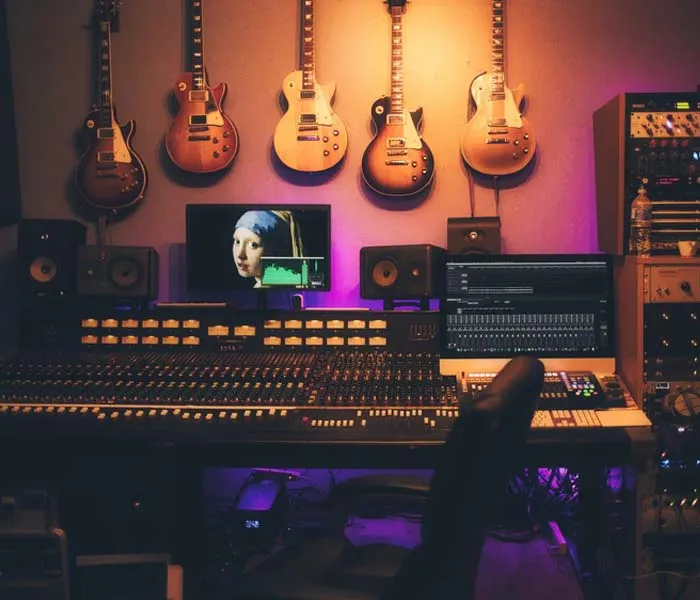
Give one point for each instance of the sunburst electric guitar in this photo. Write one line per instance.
(397, 162)
(497, 140)
(310, 137)
(202, 138)
(110, 175)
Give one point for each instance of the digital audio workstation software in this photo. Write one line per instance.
(549, 305)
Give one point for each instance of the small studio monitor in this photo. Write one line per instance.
(47, 254)
(125, 272)
(400, 272)
(475, 235)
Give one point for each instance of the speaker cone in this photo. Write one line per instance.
(385, 273)
(124, 273)
(43, 269)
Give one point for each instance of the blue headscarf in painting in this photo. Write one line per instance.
(276, 231)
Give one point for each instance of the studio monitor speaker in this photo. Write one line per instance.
(476, 235)
(47, 254)
(400, 272)
(118, 272)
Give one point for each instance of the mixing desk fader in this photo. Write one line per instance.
(272, 396)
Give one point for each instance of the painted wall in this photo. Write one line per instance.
(572, 56)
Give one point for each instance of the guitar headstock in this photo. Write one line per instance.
(392, 4)
(106, 10)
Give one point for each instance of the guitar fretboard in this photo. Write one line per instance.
(397, 60)
(307, 45)
(498, 50)
(105, 73)
(197, 46)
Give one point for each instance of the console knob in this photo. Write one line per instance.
(685, 288)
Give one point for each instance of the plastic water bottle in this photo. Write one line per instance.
(640, 224)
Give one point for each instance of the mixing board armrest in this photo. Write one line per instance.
(383, 484)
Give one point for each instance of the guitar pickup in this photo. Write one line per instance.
(308, 128)
(105, 157)
(198, 138)
(396, 143)
(497, 141)
(199, 95)
(307, 118)
(307, 94)
(396, 162)
(498, 131)
(105, 133)
(308, 138)
(198, 119)
(394, 120)
(396, 152)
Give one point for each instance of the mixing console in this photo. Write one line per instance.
(282, 395)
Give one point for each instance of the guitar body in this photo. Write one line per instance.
(497, 147)
(202, 137)
(397, 162)
(304, 146)
(110, 175)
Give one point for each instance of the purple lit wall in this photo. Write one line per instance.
(572, 57)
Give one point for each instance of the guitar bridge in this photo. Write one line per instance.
(105, 157)
(307, 118)
(396, 152)
(396, 143)
(497, 140)
(198, 138)
(308, 128)
(308, 138)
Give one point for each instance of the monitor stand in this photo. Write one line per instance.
(419, 304)
(261, 301)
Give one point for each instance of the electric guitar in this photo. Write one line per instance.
(202, 138)
(310, 137)
(397, 162)
(110, 175)
(497, 140)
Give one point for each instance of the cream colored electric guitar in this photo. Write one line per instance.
(310, 137)
(497, 140)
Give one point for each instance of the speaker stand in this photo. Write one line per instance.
(419, 304)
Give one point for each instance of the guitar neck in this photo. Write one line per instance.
(397, 60)
(498, 50)
(308, 68)
(196, 35)
(104, 77)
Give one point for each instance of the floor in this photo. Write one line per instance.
(508, 571)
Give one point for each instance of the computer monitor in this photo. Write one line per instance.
(231, 247)
(550, 306)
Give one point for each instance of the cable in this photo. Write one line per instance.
(471, 190)
(497, 195)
